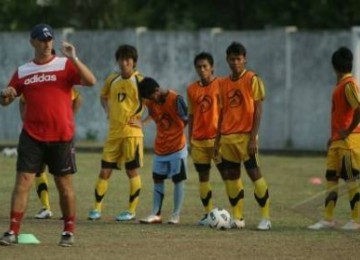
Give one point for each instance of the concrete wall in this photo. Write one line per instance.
(295, 67)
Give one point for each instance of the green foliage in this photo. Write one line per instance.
(179, 14)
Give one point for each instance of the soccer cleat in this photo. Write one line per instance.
(204, 221)
(125, 216)
(44, 214)
(8, 239)
(152, 219)
(265, 224)
(351, 225)
(237, 223)
(175, 219)
(67, 239)
(322, 224)
(94, 215)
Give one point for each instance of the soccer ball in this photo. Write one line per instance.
(219, 219)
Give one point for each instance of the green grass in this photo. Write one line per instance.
(288, 179)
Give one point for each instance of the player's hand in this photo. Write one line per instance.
(68, 50)
(252, 147)
(343, 133)
(134, 122)
(329, 143)
(9, 92)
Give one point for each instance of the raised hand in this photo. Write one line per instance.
(68, 50)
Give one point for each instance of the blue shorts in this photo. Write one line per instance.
(171, 166)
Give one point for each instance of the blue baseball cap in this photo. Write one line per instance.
(42, 32)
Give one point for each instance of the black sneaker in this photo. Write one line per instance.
(67, 239)
(8, 239)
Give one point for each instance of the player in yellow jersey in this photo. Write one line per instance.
(343, 157)
(124, 144)
(203, 109)
(241, 97)
(41, 180)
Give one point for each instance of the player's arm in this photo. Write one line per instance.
(259, 95)
(76, 103)
(87, 77)
(182, 109)
(105, 105)
(190, 125)
(190, 116)
(252, 148)
(7, 96)
(218, 134)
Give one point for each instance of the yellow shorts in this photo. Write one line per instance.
(345, 162)
(234, 148)
(202, 155)
(128, 151)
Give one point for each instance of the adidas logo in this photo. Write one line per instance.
(40, 78)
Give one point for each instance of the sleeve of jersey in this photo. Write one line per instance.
(352, 94)
(258, 88)
(181, 108)
(104, 92)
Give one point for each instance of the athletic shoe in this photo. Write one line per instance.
(322, 224)
(8, 239)
(204, 221)
(125, 216)
(67, 239)
(265, 224)
(237, 223)
(351, 225)
(152, 219)
(175, 219)
(94, 215)
(44, 214)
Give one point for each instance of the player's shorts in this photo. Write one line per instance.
(234, 150)
(171, 166)
(344, 163)
(202, 157)
(128, 151)
(34, 154)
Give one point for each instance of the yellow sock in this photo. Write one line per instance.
(330, 200)
(135, 188)
(42, 185)
(206, 196)
(261, 193)
(235, 190)
(100, 190)
(354, 194)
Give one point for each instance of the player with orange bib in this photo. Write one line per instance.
(241, 97)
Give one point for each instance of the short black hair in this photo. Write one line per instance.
(126, 51)
(236, 48)
(147, 87)
(204, 56)
(342, 60)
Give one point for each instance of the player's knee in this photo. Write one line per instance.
(348, 175)
(331, 175)
(202, 167)
(251, 163)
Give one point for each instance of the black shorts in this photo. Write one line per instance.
(33, 155)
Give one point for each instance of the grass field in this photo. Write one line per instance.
(288, 179)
